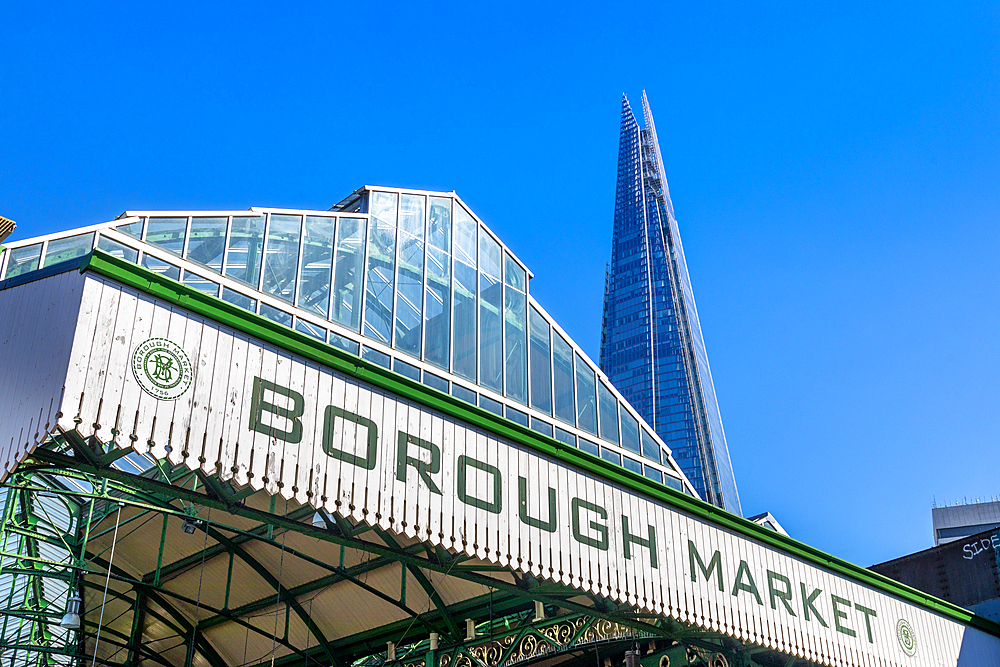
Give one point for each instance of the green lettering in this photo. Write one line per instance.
(838, 614)
(330, 416)
(259, 406)
(868, 619)
(714, 564)
(807, 604)
(522, 497)
(466, 462)
(784, 595)
(424, 469)
(630, 538)
(602, 543)
(742, 570)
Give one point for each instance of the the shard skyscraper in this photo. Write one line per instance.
(651, 343)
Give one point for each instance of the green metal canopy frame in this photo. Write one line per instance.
(146, 620)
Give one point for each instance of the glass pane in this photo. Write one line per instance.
(562, 379)
(132, 228)
(565, 436)
(630, 431)
(381, 267)
(276, 314)
(590, 447)
(375, 356)
(345, 344)
(317, 264)
(517, 416)
(411, 215)
(410, 292)
(586, 397)
(487, 403)
(201, 284)
(541, 427)
(161, 267)
(649, 447)
(349, 273)
(464, 332)
(282, 260)
(653, 474)
(490, 333)
(674, 483)
(515, 345)
(436, 382)
(207, 242)
(540, 362)
(23, 260)
(246, 241)
(609, 413)
(116, 249)
(439, 224)
(384, 207)
(489, 256)
(310, 329)
(64, 250)
(466, 228)
(406, 370)
(513, 273)
(237, 299)
(460, 392)
(437, 306)
(610, 456)
(167, 233)
(633, 465)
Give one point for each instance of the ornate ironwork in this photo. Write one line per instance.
(537, 641)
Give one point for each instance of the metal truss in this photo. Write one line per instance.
(67, 508)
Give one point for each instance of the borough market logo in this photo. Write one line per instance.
(906, 636)
(162, 369)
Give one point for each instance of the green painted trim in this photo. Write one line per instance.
(270, 332)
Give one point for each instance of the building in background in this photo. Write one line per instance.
(651, 342)
(960, 521)
(767, 520)
(963, 566)
(963, 571)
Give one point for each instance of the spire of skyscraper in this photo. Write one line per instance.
(652, 347)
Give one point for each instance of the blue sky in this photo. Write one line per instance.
(834, 171)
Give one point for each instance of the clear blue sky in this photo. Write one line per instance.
(835, 173)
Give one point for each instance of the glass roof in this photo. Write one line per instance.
(410, 280)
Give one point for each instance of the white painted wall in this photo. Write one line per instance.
(37, 324)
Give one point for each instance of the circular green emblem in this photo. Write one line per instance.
(162, 369)
(907, 638)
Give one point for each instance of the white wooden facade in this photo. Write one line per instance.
(263, 416)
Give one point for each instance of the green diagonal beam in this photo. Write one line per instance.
(426, 585)
(266, 575)
(167, 593)
(217, 549)
(303, 589)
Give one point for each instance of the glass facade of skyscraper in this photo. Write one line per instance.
(651, 345)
